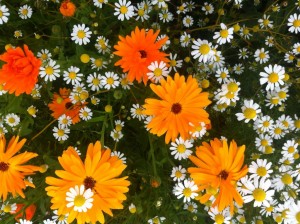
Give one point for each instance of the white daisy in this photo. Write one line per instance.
(261, 56)
(12, 119)
(191, 207)
(24, 221)
(32, 111)
(94, 81)
(188, 21)
(8, 207)
(219, 217)
(185, 39)
(156, 220)
(123, 10)
(44, 54)
(174, 64)
(85, 113)
(80, 199)
(222, 75)
(273, 76)
(137, 112)
(141, 12)
(293, 215)
(243, 53)
(238, 68)
(81, 34)
(203, 50)
(50, 71)
(278, 131)
(165, 16)
(207, 8)
(294, 23)
(125, 83)
(178, 173)
(110, 80)
(186, 189)
(61, 133)
(64, 121)
(160, 3)
(72, 75)
(4, 14)
(198, 130)
(224, 35)
(180, 149)
(289, 148)
(250, 110)
(116, 135)
(102, 45)
(264, 123)
(265, 22)
(260, 168)
(262, 141)
(99, 3)
(119, 125)
(157, 71)
(245, 32)
(98, 63)
(25, 12)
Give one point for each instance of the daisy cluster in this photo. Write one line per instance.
(155, 81)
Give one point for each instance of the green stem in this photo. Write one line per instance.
(152, 155)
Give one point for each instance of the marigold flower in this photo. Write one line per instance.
(179, 109)
(62, 104)
(67, 8)
(218, 169)
(29, 211)
(138, 51)
(12, 170)
(98, 174)
(20, 73)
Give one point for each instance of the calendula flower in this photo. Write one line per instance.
(219, 167)
(98, 174)
(181, 106)
(138, 51)
(20, 73)
(67, 8)
(12, 168)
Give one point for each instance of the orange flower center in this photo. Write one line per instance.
(4, 166)
(223, 175)
(89, 182)
(176, 108)
(143, 53)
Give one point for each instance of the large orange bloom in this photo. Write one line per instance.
(67, 8)
(62, 104)
(218, 169)
(138, 51)
(180, 108)
(20, 73)
(99, 173)
(12, 170)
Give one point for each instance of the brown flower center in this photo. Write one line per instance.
(143, 54)
(223, 175)
(89, 182)
(176, 108)
(68, 105)
(4, 166)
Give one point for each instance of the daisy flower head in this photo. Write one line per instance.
(238, 68)
(8, 207)
(174, 64)
(25, 12)
(296, 48)
(222, 75)
(289, 148)
(218, 168)
(250, 111)
(165, 16)
(72, 75)
(61, 133)
(191, 207)
(79, 198)
(24, 221)
(32, 110)
(138, 51)
(85, 113)
(18, 33)
(125, 83)
(259, 190)
(203, 50)
(156, 220)
(137, 111)
(278, 131)
(141, 12)
(12, 168)
(224, 35)
(269, 41)
(178, 173)
(120, 155)
(44, 55)
(12, 119)
(110, 80)
(245, 32)
(199, 130)
(188, 21)
(185, 39)
(264, 123)
(157, 71)
(207, 8)
(263, 141)
(180, 149)
(94, 81)
(260, 168)
(81, 34)
(4, 14)
(293, 214)
(64, 121)
(124, 9)
(97, 175)
(273, 76)
(98, 63)
(219, 216)
(261, 56)
(243, 53)
(294, 23)
(50, 71)
(160, 3)
(181, 104)
(186, 189)
(99, 3)
(265, 22)
(116, 135)
(284, 180)
(102, 45)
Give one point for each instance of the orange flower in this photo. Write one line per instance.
(29, 211)
(99, 173)
(12, 170)
(62, 104)
(20, 73)
(67, 8)
(180, 108)
(218, 169)
(138, 51)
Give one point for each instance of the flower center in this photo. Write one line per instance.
(274, 101)
(49, 70)
(157, 72)
(176, 108)
(204, 49)
(24, 12)
(264, 142)
(223, 75)
(178, 174)
(277, 131)
(273, 77)
(219, 219)
(72, 75)
(68, 105)
(297, 216)
(4, 166)
(11, 120)
(96, 82)
(282, 95)
(1, 13)
(296, 23)
(262, 55)
(286, 179)
(79, 200)
(60, 132)
(266, 22)
(173, 63)
(266, 123)
(181, 148)
(259, 194)
(187, 192)
(143, 53)
(139, 111)
(291, 149)
(224, 33)
(223, 175)
(261, 171)
(249, 113)
(110, 81)
(81, 34)
(98, 62)
(232, 87)
(89, 182)
(141, 12)
(270, 209)
(123, 9)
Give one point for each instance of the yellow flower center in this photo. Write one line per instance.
(282, 95)
(278, 219)
(72, 75)
(259, 221)
(204, 49)
(270, 209)
(296, 23)
(118, 127)
(96, 81)
(141, 12)
(181, 8)
(284, 213)
(157, 72)
(1, 13)
(199, 128)
(110, 81)
(61, 218)
(242, 219)
(178, 174)
(139, 111)
(277, 131)
(223, 75)
(79, 200)
(207, 7)
(98, 62)
(286, 179)
(190, 208)
(60, 132)
(291, 57)
(273, 77)
(81, 34)
(245, 31)
(188, 20)
(285, 123)
(7, 208)
(262, 55)
(261, 171)
(11, 120)
(268, 149)
(187, 192)
(229, 95)
(124, 82)
(266, 123)
(44, 56)
(24, 12)
(297, 123)
(49, 70)
(224, 33)
(219, 219)
(181, 148)
(31, 110)
(155, 220)
(259, 194)
(173, 63)
(249, 113)
(266, 22)
(123, 9)
(297, 216)
(264, 142)
(274, 100)
(232, 87)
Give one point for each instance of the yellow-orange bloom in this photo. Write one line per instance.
(179, 109)
(138, 51)
(99, 173)
(218, 169)
(67, 8)
(12, 170)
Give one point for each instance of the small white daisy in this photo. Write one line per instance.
(265, 22)
(137, 112)
(8, 207)
(180, 149)
(185, 189)
(110, 80)
(185, 39)
(294, 23)
(260, 168)
(222, 75)
(261, 56)
(72, 75)
(157, 71)
(94, 81)
(98, 63)
(12, 119)
(225, 35)
(99, 3)
(174, 64)
(4, 14)
(102, 45)
(273, 76)
(250, 110)
(188, 21)
(25, 12)
(64, 121)
(124, 10)
(80, 199)
(203, 50)
(85, 113)
(61, 133)
(32, 111)
(120, 155)
(81, 34)
(207, 8)
(44, 54)
(116, 135)
(50, 71)
(60, 219)
(191, 207)
(178, 173)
